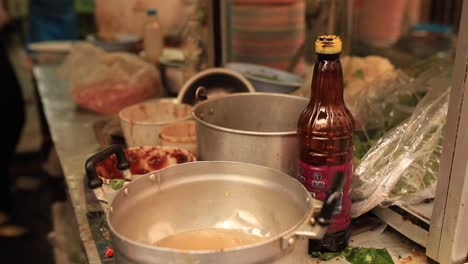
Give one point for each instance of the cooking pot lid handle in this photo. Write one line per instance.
(334, 193)
(201, 94)
(318, 224)
(122, 164)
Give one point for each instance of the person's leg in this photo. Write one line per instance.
(12, 106)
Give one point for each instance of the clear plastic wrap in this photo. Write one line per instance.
(402, 167)
(392, 97)
(108, 82)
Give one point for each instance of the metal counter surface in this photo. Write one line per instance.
(72, 132)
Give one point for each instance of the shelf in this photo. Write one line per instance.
(422, 210)
(411, 220)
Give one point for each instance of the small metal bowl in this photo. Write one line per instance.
(217, 82)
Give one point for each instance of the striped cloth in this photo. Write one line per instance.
(267, 2)
(267, 32)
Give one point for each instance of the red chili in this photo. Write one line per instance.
(109, 252)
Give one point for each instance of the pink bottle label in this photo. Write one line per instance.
(318, 179)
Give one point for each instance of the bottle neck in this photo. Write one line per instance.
(327, 82)
(152, 18)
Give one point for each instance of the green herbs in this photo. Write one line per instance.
(363, 141)
(327, 255)
(359, 74)
(264, 76)
(362, 146)
(368, 255)
(116, 184)
(357, 255)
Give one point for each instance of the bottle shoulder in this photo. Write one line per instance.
(334, 119)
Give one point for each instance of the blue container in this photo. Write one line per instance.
(266, 79)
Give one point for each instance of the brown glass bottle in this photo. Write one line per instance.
(325, 131)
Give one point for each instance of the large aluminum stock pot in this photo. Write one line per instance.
(258, 128)
(201, 195)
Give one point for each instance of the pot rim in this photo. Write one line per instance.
(149, 123)
(245, 132)
(305, 218)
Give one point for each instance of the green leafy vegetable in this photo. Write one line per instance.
(326, 255)
(116, 184)
(359, 74)
(363, 141)
(368, 256)
(357, 255)
(362, 146)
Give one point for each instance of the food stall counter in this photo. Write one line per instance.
(73, 134)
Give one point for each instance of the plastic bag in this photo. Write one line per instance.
(392, 97)
(108, 82)
(403, 166)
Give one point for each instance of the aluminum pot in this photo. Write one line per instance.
(258, 128)
(230, 195)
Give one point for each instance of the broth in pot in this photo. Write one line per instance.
(209, 239)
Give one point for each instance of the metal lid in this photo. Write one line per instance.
(328, 44)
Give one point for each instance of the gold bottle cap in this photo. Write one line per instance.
(328, 44)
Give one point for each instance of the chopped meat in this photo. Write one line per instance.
(143, 160)
(136, 168)
(157, 162)
(110, 96)
(179, 156)
(132, 156)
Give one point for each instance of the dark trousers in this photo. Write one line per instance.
(13, 117)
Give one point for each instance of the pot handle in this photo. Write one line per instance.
(325, 215)
(200, 94)
(122, 164)
(322, 213)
